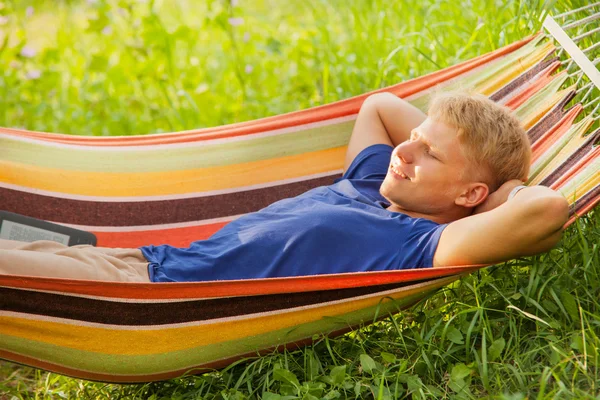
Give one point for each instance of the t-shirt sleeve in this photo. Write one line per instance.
(371, 163)
(421, 244)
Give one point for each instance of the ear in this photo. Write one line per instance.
(473, 195)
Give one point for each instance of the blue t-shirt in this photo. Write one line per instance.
(343, 227)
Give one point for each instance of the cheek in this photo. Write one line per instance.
(439, 178)
(432, 172)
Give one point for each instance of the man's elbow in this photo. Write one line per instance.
(559, 207)
(545, 244)
(545, 229)
(377, 100)
(553, 213)
(381, 96)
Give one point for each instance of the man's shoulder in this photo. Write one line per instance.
(371, 163)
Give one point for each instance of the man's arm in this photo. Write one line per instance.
(530, 223)
(383, 118)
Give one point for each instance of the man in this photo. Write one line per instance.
(417, 191)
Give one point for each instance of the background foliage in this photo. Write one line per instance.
(526, 329)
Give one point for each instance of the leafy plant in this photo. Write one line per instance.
(529, 328)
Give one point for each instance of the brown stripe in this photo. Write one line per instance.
(522, 79)
(585, 201)
(160, 313)
(573, 159)
(97, 213)
(550, 119)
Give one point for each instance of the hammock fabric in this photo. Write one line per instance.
(180, 187)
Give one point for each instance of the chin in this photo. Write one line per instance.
(395, 200)
(388, 186)
(383, 191)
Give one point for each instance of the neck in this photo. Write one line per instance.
(444, 217)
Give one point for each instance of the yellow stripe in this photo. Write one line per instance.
(171, 182)
(167, 339)
(520, 65)
(581, 189)
(541, 110)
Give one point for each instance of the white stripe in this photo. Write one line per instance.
(575, 52)
(208, 193)
(201, 143)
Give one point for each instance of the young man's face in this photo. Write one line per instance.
(428, 171)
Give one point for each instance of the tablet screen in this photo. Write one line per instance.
(14, 231)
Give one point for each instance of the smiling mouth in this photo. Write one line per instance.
(395, 168)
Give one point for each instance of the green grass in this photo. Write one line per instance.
(526, 329)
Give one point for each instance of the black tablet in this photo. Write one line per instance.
(26, 229)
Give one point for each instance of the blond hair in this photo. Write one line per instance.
(492, 137)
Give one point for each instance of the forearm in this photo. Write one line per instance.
(529, 223)
(397, 116)
(541, 213)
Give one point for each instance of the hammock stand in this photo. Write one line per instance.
(114, 187)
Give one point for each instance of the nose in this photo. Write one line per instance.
(405, 152)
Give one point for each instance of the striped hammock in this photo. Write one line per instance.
(180, 187)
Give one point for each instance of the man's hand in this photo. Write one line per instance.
(498, 197)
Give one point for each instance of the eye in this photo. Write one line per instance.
(430, 154)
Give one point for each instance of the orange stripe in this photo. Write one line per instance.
(211, 289)
(178, 237)
(312, 115)
(540, 83)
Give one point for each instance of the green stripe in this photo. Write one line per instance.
(509, 62)
(153, 159)
(172, 361)
(571, 189)
(476, 79)
(542, 97)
